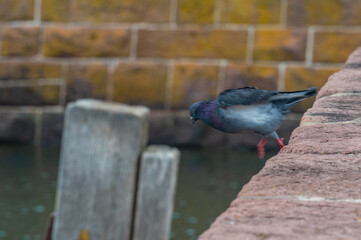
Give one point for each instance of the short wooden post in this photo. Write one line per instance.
(156, 189)
(100, 150)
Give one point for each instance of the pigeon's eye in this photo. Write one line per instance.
(190, 113)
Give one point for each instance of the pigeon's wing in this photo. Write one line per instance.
(244, 96)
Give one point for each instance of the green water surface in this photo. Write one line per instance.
(207, 182)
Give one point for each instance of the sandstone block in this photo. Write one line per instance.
(16, 10)
(251, 12)
(140, 83)
(16, 125)
(286, 219)
(325, 139)
(29, 70)
(52, 121)
(280, 45)
(324, 12)
(298, 78)
(192, 43)
(326, 176)
(83, 42)
(336, 83)
(200, 12)
(241, 75)
(193, 83)
(327, 46)
(106, 11)
(87, 81)
(29, 96)
(19, 41)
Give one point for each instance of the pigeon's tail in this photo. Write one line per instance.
(289, 99)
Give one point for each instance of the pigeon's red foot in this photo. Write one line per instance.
(260, 148)
(280, 142)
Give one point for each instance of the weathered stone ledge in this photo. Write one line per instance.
(311, 189)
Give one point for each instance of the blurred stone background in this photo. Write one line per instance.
(164, 54)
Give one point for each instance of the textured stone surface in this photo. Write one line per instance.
(324, 12)
(286, 219)
(17, 126)
(193, 83)
(16, 10)
(87, 81)
(327, 176)
(85, 42)
(336, 83)
(241, 75)
(334, 109)
(140, 83)
(29, 70)
(280, 45)
(327, 45)
(298, 78)
(253, 12)
(311, 190)
(106, 11)
(29, 96)
(19, 41)
(192, 43)
(190, 11)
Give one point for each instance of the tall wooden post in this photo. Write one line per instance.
(97, 177)
(156, 189)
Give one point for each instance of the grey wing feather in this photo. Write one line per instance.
(244, 96)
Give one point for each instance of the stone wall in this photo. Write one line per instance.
(164, 54)
(311, 189)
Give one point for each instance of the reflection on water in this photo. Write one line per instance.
(207, 182)
(27, 190)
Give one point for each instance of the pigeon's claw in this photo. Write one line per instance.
(260, 148)
(280, 142)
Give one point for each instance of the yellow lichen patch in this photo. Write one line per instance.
(252, 12)
(16, 10)
(192, 43)
(190, 11)
(299, 78)
(335, 46)
(241, 75)
(140, 83)
(48, 94)
(83, 42)
(193, 83)
(19, 41)
(280, 45)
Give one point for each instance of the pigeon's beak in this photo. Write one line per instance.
(193, 120)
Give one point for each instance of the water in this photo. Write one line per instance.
(207, 182)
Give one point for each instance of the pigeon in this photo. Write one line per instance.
(249, 109)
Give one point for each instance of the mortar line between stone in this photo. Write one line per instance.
(37, 127)
(281, 77)
(37, 12)
(63, 87)
(283, 12)
(309, 46)
(217, 13)
(250, 45)
(110, 88)
(133, 43)
(303, 198)
(169, 85)
(31, 82)
(173, 14)
(222, 75)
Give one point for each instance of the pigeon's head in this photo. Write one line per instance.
(193, 112)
